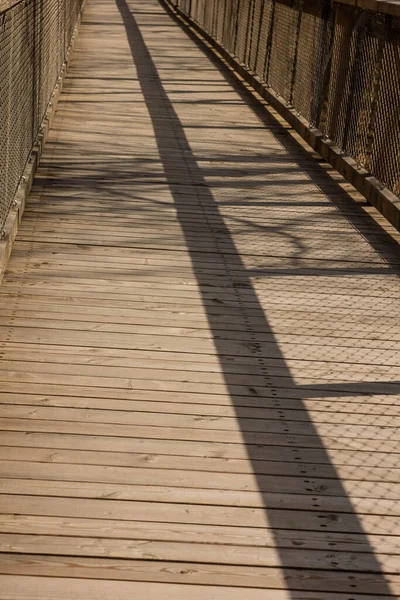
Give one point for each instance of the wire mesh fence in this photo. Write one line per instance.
(34, 40)
(337, 65)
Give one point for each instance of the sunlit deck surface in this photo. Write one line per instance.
(200, 376)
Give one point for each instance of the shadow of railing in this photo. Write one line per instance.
(305, 538)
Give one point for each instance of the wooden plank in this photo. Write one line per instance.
(207, 480)
(201, 404)
(142, 364)
(295, 334)
(297, 318)
(233, 456)
(248, 537)
(227, 426)
(37, 588)
(51, 294)
(231, 498)
(197, 435)
(167, 257)
(192, 332)
(278, 387)
(121, 220)
(204, 464)
(237, 373)
(169, 551)
(249, 299)
(321, 412)
(294, 394)
(107, 507)
(53, 353)
(192, 573)
(270, 423)
(375, 352)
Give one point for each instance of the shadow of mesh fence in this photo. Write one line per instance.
(337, 65)
(34, 39)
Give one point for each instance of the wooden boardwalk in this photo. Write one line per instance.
(199, 333)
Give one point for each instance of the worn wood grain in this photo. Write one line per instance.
(199, 345)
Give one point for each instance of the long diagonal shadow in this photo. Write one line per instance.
(324, 530)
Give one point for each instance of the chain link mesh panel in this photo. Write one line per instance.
(34, 40)
(312, 57)
(338, 65)
(384, 149)
(283, 48)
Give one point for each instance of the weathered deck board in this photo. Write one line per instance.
(39, 588)
(199, 343)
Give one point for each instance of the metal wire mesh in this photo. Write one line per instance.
(314, 39)
(338, 65)
(34, 39)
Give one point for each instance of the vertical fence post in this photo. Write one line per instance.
(236, 27)
(252, 32)
(328, 15)
(65, 27)
(377, 76)
(224, 22)
(249, 32)
(214, 19)
(263, 2)
(360, 30)
(296, 50)
(267, 60)
(34, 71)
